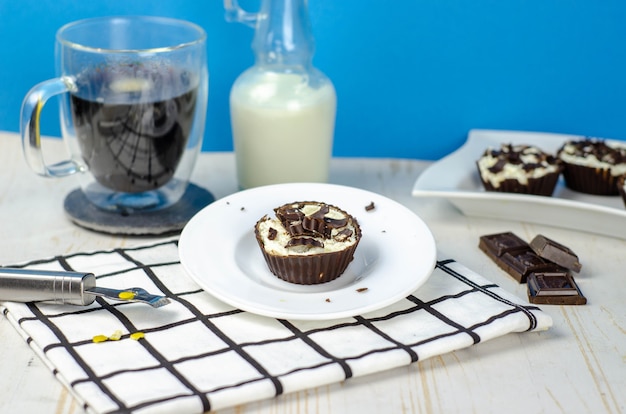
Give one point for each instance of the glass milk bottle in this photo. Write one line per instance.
(282, 108)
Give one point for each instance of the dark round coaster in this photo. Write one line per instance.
(150, 223)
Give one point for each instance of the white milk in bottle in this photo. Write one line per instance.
(282, 129)
(282, 109)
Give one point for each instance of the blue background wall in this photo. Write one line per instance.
(412, 77)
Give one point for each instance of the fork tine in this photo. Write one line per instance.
(162, 301)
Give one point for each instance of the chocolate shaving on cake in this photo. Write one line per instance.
(272, 233)
(509, 154)
(287, 215)
(343, 235)
(599, 149)
(291, 219)
(531, 166)
(304, 241)
(319, 214)
(498, 166)
(316, 224)
(295, 228)
(336, 223)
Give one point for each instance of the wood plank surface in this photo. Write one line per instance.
(577, 366)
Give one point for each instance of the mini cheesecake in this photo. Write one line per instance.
(521, 169)
(308, 242)
(593, 166)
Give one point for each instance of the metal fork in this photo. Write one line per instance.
(75, 288)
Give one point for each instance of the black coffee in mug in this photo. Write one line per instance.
(134, 93)
(132, 123)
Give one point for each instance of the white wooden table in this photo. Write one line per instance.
(578, 366)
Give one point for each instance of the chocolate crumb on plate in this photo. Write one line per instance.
(371, 206)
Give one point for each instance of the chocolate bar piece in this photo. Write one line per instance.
(555, 252)
(514, 255)
(554, 288)
(500, 243)
(520, 264)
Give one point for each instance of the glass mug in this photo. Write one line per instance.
(134, 92)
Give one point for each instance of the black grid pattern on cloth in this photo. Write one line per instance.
(200, 354)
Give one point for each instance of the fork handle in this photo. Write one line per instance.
(28, 285)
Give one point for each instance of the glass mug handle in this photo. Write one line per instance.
(32, 105)
(234, 13)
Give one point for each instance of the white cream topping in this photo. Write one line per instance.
(531, 155)
(277, 245)
(569, 155)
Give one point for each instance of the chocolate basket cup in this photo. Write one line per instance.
(620, 187)
(310, 269)
(590, 180)
(542, 186)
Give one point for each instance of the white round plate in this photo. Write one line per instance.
(395, 256)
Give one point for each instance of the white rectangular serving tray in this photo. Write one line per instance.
(455, 178)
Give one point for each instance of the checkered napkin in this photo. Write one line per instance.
(200, 354)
